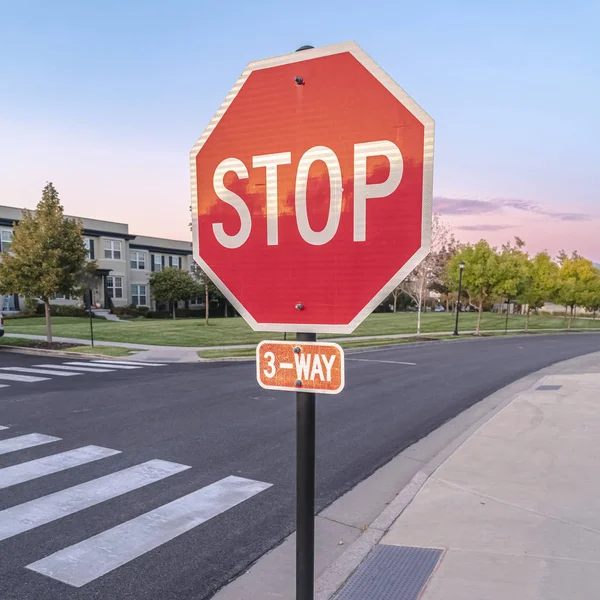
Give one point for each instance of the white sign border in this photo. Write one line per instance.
(302, 389)
(429, 129)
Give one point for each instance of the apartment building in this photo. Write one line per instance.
(125, 261)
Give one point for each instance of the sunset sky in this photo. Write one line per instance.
(106, 99)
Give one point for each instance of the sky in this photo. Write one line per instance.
(106, 99)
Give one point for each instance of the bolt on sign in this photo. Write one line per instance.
(300, 366)
(312, 190)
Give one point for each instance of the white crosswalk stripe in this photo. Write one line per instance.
(129, 362)
(112, 366)
(82, 369)
(22, 378)
(41, 371)
(32, 514)
(26, 441)
(34, 373)
(91, 558)
(81, 563)
(34, 469)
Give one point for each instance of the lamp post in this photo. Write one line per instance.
(461, 268)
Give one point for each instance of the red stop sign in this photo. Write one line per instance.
(312, 190)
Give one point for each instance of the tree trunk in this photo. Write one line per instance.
(206, 308)
(174, 309)
(226, 306)
(48, 321)
(527, 319)
(421, 292)
(395, 303)
(447, 304)
(571, 318)
(479, 312)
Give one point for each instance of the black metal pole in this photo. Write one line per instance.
(91, 320)
(507, 308)
(305, 488)
(458, 301)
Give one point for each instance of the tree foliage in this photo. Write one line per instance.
(481, 275)
(47, 255)
(541, 283)
(577, 282)
(172, 285)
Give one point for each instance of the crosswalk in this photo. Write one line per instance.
(88, 559)
(47, 371)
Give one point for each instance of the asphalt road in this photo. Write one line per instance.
(215, 419)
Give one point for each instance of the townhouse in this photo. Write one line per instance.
(125, 262)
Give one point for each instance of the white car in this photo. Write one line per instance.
(1, 325)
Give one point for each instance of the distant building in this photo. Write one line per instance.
(125, 262)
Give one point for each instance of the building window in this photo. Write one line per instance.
(138, 295)
(89, 246)
(62, 297)
(112, 249)
(5, 240)
(175, 262)
(138, 260)
(158, 262)
(114, 287)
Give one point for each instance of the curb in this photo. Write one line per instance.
(335, 576)
(58, 353)
(464, 337)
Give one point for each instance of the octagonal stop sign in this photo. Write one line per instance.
(312, 190)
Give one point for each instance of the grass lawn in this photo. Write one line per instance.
(193, 332)
(241, 352)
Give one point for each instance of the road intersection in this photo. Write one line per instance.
(144, 481)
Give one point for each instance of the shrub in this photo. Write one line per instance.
(180, 313)
(63, 310)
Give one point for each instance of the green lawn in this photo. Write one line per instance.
(193, 332)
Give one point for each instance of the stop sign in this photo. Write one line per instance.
(312, 190)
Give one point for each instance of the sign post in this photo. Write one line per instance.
(305, 487)
(311, 201)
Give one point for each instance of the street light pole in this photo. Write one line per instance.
(461, 267)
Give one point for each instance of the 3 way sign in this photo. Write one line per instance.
(295, 366)
(312, 190)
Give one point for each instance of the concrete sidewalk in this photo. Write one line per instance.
(512, 513)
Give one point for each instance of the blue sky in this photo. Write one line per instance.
(106, 99)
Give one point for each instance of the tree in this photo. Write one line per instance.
(541, 283)
(590, 298)
(480, 275)
(513, 271)
(577, 278)
(47, 255)
(208, 287)
(172, 285)
(431, 269)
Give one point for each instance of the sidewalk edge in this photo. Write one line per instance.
(334, 577)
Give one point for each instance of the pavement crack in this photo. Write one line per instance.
(517, 506)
